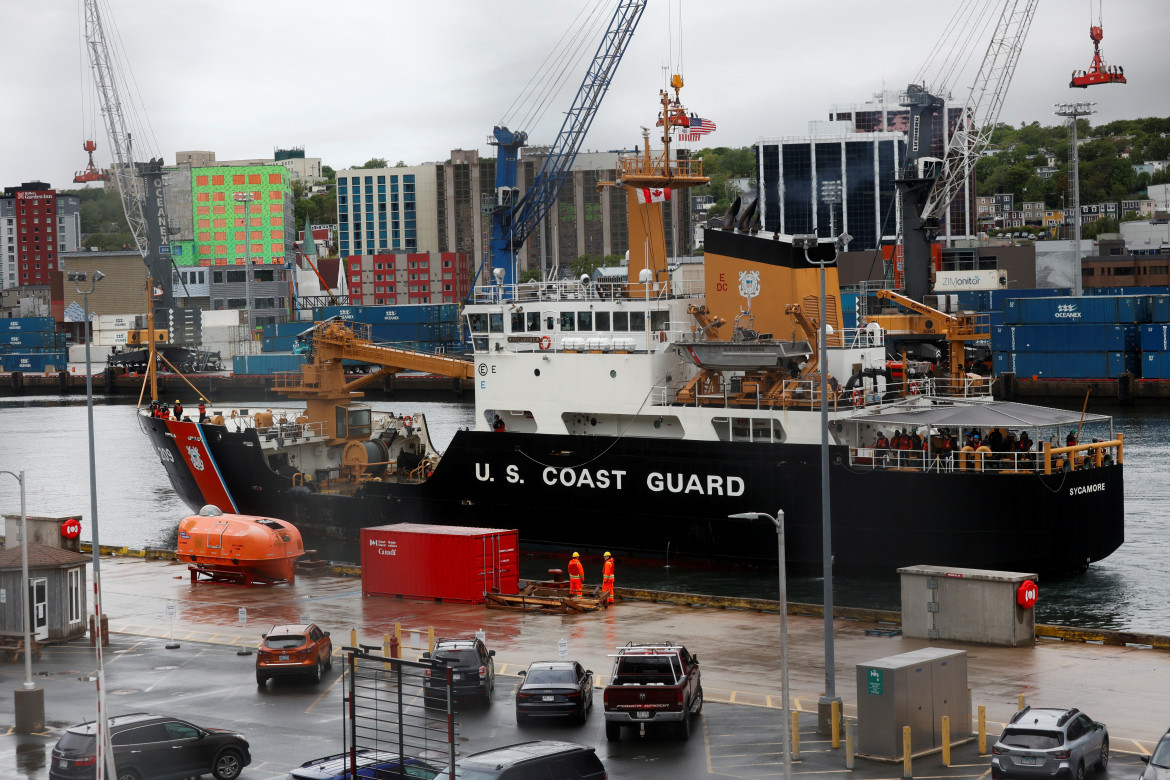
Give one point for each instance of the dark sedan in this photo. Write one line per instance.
(555, 689)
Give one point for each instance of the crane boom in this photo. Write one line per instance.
(514, 218)
(928, 185)
(140, 186)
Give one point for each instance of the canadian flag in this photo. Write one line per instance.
(653, 194)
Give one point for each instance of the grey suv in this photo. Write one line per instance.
(1043, 743)
(1159, 762)
(473, 670)
(562, 760)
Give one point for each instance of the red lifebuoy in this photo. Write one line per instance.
(915, 388)
(545, 342)
(71, 528)
(1027, 594)
(858, 398)
(407, 420)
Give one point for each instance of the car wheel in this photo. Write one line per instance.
(261, 679)
(329, 659)
(697, 705)
(319, 670)
(613, 731)
(1103, 761)
(228, 765)
(684, 726)
(1080, 770)
(127, 774)
(521, 719)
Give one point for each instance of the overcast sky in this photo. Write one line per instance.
(353, 79)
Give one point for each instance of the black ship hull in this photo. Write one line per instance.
(657, 497)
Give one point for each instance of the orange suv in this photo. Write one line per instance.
(294, 651)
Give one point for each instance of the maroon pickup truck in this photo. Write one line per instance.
(653, 685)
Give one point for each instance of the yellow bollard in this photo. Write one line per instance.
(430, 639)
(795, 735)
(849, 729)
(982, 730)
(398, 636)
(835, 715)
(1019, 702)
(946, 740)
(386, 650)
(353, 637)
(907, 761)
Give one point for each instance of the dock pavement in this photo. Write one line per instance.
(1127, 687)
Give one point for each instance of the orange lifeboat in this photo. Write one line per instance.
(239, 549)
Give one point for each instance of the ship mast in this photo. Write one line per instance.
(648, 180)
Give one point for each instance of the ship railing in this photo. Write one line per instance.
(1049, 460)
(576, 290)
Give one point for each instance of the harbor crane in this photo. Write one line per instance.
(140, 185)
(1098, 72)
(515, 216)
(929, 184)
(90, 172)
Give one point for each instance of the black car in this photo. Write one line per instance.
(555, 689)
(473, 670)
(152, 747)
(564, 760)
(374, 764)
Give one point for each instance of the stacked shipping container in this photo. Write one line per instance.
(31, 344)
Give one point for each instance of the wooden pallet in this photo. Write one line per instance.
(551, 599)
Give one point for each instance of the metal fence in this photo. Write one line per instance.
(398, 713)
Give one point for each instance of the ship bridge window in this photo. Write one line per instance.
(496, 322)
(637, 320)
(584, 320)
(601, 320)
(621, 321)
(477, 323)
(568, 320)
(659, 320)
(533, 321)
(518, 322)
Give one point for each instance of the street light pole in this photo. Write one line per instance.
(105, 751)
(1075, 111)
(29, 702)
(778, 521)
(246, 198)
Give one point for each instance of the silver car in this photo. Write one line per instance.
(1043, 743)
(1159, 762)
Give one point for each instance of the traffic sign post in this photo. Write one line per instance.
(172, 609)
(243, 616)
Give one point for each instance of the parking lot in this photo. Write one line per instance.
(290, 722)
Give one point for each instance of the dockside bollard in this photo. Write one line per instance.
(353, 637)
(907, 759)
(1019, 702)
(386, 651)
(982, 730)
(850, 742)
(835, 715)
(946, 740)
(796, 735)
(430, 639)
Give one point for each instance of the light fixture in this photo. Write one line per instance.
(805, 241)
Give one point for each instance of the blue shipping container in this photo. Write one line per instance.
(28, 324)
(1159, 308)
(373, 315)
(1066, 365)
(1154, 338)
(266, 364)
(279, 344)
(1071, 310)
(1064, 338)
(275, 330)
(999, 296)
(27, 340)
(36, 362)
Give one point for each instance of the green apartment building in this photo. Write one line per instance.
(242, 214)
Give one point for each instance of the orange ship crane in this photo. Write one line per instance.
(1098, 72)
(91, 172)
(955, 329)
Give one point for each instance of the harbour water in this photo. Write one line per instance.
(47, 438)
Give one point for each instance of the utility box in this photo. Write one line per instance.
(912, 689)
(440, 562)
(969, 605)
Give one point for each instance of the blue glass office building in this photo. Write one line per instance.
(377, 209)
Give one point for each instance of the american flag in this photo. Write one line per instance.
(699, 127)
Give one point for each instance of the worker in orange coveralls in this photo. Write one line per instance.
(576, 576)
(607, 581)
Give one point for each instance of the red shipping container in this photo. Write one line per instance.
(441, 562)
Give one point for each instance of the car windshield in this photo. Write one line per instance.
(1161, 755)
(1031, 740)
(71, 741)
(283, 642)
(458, 657)
(551, 677)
